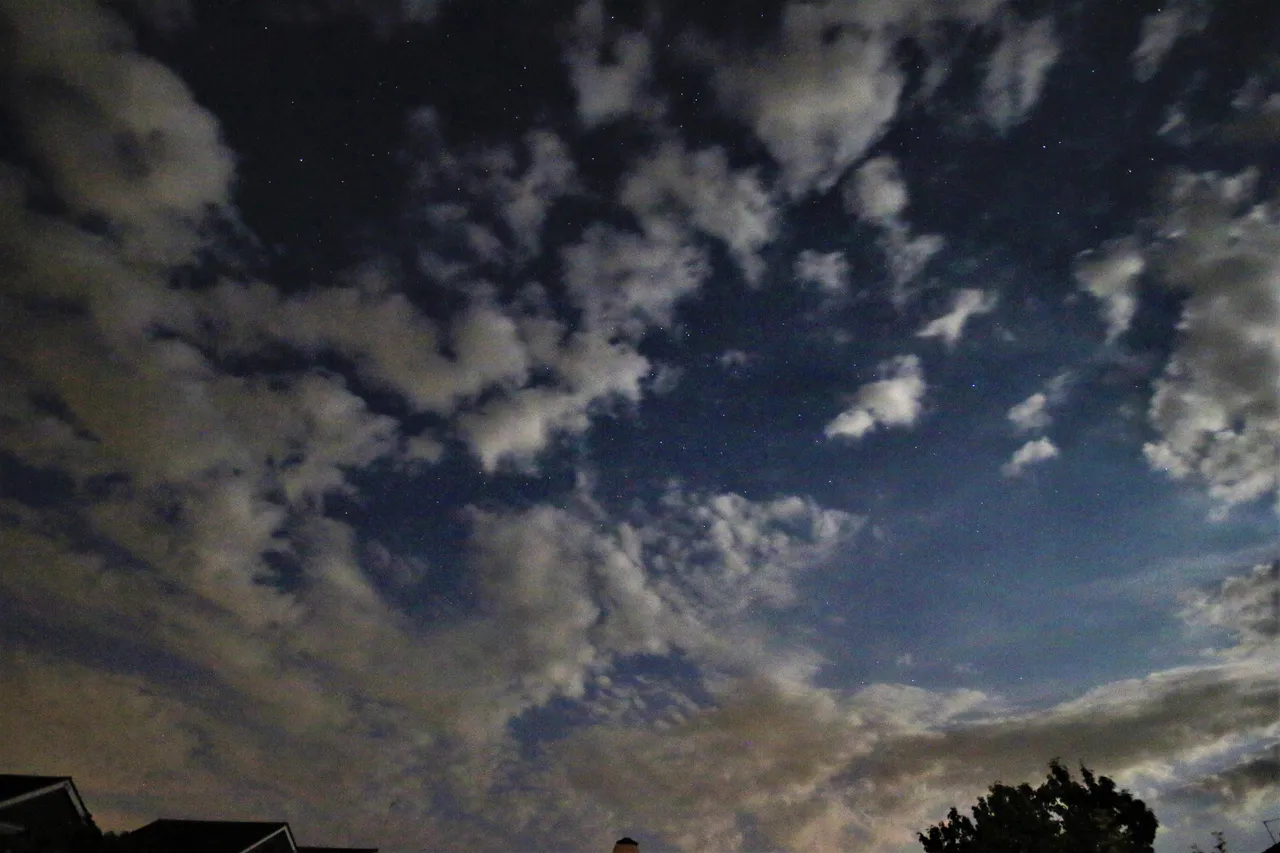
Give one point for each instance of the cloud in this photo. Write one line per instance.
(803, 766)
(627, 282)
(608, 90)
(967, 303)
(876, 191)
(699, 189)
(486, 205)
(895, 400)
(1136, 730)
(1216, 407)
(1017, 71)
(1244, 605)
(590, 374)
(829, 270)
(816, 104)
(117, 133)
(1031, 415)
(201, 631)
(1160, 32)
(826, 90)
(624, 284)
(1111, 276)
(1032, 453)
(1246, 789)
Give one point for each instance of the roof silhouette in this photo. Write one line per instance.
(204, 836)
(14, 785)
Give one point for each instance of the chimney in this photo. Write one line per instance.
(626, 845)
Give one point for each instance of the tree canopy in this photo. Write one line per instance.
(1062, 815)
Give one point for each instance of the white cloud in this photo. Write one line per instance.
(699, 189)
(1243, 605)
(816, 104)
(393, 343)
(968, 303)
(525, 200)
(1032, 453)
(1031, 414)
(627, 282)
(828, 270)
(608, 91)
(1017, 70)
(590, 372)
(1111, 275)
(481, 204)
(827, 89)
(1216, 407)
(876, 191)
(119, 134)
(1160, 32)
(907, 257)
(265, 644)
(895, 400)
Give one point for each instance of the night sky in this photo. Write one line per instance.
(461, 425)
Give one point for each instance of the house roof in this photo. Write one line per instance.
(15, 788)
(207, 836)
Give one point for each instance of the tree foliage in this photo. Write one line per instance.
(1063, 815)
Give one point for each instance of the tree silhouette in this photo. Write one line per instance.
(1061, 816)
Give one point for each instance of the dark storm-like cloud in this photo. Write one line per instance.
(1249, 786)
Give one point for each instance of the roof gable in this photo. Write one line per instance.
(15, 788)
(208, 836)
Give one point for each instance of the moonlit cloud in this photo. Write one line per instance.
(816, 105)
(1215, 408)
(876, 191)
(829, 270)
(966, 304)
(1243, 605)
(503, 510)
(1033, 452)
(1110, 276)
(828, 88)
(732, 207)
(896, 400)
(1160, 32)
(118, 133)
(1017, 70)
(608, 90)
(1031, 414)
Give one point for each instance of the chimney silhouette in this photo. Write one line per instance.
(626, 845)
